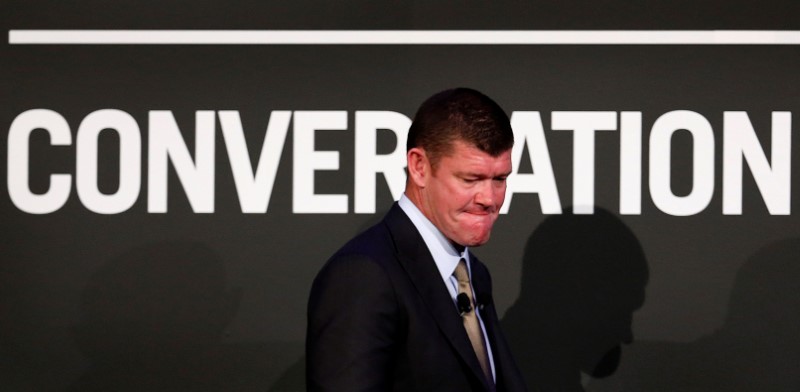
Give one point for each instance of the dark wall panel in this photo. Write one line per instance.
(193, 300)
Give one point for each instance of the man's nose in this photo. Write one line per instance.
(485, 194)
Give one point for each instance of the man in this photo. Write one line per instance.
(405, 306)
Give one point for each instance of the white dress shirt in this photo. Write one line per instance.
(446, 257)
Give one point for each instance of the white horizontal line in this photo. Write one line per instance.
(404, 37)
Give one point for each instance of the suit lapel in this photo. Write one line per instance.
(482, 286)
(418, 263)
(506, 373)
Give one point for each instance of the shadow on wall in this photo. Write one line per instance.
(757, 348)
(583, 276)
(153, 318)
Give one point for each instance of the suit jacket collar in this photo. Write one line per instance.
(445, 255)
(416, 260)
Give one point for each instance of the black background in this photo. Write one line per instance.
(89, 301)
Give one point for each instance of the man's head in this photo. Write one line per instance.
(459, 156)
(460, 114)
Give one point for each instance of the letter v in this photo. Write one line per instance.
(254, 188)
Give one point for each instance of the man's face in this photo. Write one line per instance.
(463, 196)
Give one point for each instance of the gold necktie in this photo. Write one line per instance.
(471, 323)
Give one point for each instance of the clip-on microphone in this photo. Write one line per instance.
(464, 307)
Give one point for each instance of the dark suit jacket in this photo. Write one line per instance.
(380, 318)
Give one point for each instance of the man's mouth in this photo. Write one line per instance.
(479, 212)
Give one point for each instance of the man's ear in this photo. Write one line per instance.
(419, 168)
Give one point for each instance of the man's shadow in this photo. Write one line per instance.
(756, 349)
(153, 318)
(583, 276)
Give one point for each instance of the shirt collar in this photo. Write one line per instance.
(445, 255)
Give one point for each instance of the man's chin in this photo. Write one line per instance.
(477, 240)
(478, 235)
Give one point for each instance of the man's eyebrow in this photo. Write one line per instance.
(470, 174)
(466, 173)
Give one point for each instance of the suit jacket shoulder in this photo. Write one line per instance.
(380, 318)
